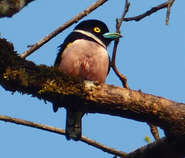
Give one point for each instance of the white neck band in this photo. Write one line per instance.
(92, 36)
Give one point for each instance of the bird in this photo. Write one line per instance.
(84, 54)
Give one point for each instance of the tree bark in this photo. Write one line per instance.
(10, 7)
(49, 84)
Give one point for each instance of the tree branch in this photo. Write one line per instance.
(122, 78)
(50, 84)
(169, 10)
(63, 27)
(162, 144)
(154, 131)
(153, 10)
(10, 7)
(161, 148)
(62, 132)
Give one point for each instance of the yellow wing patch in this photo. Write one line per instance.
(69, 45)
(66, 49)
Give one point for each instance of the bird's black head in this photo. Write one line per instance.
(98, 29)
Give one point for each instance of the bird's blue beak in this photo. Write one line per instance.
(112, 36)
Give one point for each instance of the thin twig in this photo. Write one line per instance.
(113, 64)
(151, 11)
(168, 11)
(62, 132)
(127, 5)
(63, 27)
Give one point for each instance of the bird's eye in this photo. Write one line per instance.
(97, 29)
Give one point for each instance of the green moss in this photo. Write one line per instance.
(41, 81)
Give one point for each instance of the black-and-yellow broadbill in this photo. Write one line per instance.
(84, 54)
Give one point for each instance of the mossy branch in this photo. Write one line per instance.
(51, 85)
(10, 7)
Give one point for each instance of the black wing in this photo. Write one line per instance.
(69, 39)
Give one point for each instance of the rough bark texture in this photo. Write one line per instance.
(49, 84)
(10, 7)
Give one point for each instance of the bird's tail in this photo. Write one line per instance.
(73, 125)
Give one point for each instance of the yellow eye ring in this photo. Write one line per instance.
(97, 29)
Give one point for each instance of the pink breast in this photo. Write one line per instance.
(87, 60)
